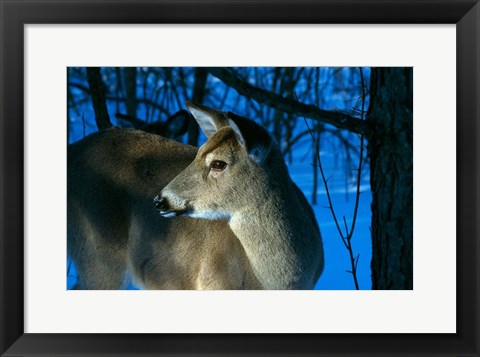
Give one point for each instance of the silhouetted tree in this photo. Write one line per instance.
(130, 75)
(197, 96)
(97, 91)
(390, 149)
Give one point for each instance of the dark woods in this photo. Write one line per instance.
(364, 116)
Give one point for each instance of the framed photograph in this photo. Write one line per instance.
(265, 178)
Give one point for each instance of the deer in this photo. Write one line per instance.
(225, 216)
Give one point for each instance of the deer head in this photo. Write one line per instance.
(229, 173)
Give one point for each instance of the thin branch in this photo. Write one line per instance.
(289, 105)
(327, 190)
(353, 263)
(346, 226)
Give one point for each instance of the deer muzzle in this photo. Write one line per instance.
(166, 209)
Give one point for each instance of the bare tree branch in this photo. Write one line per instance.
(289, 105)
(119, 99)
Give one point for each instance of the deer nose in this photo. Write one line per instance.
(160, 203)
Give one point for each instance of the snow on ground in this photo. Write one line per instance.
(337, 260)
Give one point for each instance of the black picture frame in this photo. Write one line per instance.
(15, 14)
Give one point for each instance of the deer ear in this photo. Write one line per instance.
(208, 119)
(177, 125)
(238, 133)
(252, 137)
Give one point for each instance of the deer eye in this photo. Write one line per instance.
(218, 165)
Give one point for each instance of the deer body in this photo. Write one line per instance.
(256, 232)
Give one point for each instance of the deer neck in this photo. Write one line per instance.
(273, 237)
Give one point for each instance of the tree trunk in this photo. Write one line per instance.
(390, 147)
(97, 91)
(197, 96)
(118, 88)
(130, 75)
